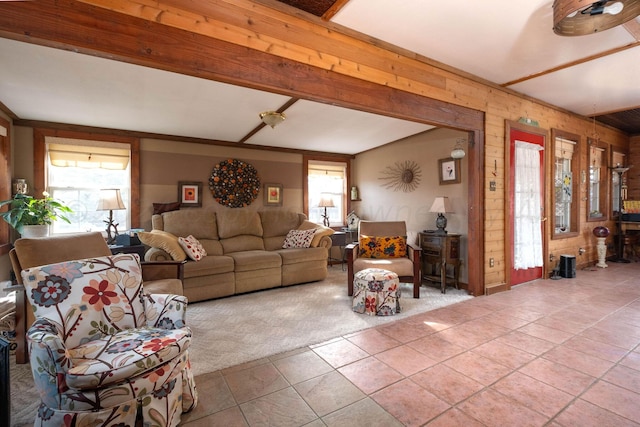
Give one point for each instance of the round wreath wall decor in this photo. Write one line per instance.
(234, 183)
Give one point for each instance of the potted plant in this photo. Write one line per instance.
(25, 212)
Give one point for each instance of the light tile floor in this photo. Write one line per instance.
(548, 353)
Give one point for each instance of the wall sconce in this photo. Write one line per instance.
(272, 118)
(110, 200)
(578, 18)
(458, 150)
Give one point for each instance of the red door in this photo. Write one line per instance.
(523, 275)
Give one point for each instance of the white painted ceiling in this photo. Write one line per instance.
(500, 41)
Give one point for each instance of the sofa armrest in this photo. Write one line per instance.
(165, 311)
(157, 254)
(325, 242)
(414, 252)
(351, 251)
(46, 346)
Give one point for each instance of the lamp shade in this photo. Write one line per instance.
(110, 199)
(441, 205)
(326, 202)
(578, 18)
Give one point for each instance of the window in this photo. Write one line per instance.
(72, 184)
(326, 180)
(617, 159)
(77, 170)
(566, 172)
(597, 182)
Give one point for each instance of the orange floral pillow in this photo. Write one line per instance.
(391, 247)
(383, 247)
(367, 247)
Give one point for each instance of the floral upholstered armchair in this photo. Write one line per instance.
(104, 353)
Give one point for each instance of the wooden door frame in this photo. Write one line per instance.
(509, 126)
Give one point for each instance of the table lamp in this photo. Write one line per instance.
(110, 200)
(441, 205)
(326, 202)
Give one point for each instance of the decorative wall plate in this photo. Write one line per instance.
(234, 183)
(404, 176)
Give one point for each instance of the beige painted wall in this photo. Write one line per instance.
(164, 163)
(383, 204)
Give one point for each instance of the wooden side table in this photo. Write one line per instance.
(132, 249)
(339, 239)
(440, 258)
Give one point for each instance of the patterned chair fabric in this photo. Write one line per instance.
(376, 292)
(101, 350)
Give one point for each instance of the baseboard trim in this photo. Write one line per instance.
(494, 289)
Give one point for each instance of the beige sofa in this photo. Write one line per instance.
(244, 250)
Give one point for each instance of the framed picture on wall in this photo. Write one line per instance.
(273, 194)
(190, 194)
(449, 170)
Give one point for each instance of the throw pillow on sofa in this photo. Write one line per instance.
(321, 231)
(299, 238)
(165, 241)
(192, 247)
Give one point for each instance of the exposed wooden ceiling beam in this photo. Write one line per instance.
(80, 27)
(633, 27)
(334, 9)
(572, 64)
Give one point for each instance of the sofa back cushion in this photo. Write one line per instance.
(199, 223)
(240, 230)
(276, 224)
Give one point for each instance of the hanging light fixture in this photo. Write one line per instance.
(458, 151)
(272, 118)
(577, 18)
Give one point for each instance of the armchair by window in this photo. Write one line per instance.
(102, 351)
(379, 245)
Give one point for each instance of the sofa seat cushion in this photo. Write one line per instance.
(125, 354)
(298, 255)
(255, 260)
(208, 266)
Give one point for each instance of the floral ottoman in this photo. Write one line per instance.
(376, 292)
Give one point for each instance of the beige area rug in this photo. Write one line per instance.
(238, 329)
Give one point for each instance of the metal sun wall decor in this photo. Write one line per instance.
(234, 183)
(402, 176)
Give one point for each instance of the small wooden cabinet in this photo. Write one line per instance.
(440, 258)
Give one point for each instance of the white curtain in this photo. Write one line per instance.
(527, 207)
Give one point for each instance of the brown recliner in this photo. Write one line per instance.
(158, 277)
(407, 268)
